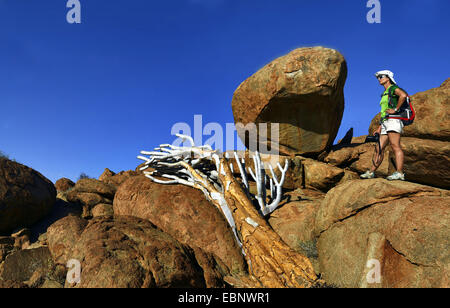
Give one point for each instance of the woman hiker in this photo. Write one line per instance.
(390, 129)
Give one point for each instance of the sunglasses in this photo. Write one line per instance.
(381, 76)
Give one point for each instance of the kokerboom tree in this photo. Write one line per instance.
(271, 263)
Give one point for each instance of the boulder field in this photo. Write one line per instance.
(129, 232)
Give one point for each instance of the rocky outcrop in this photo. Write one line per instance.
(95, 187)
(64, 184)
(126, 252)
(106, 174)
(89, 193)
(182, 212)
(116, 179)
(303, 91)
(409, 221)
(127, 231)
(25, 196)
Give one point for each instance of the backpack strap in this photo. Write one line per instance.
(391, 93)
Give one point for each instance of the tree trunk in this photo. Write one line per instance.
(271, 262)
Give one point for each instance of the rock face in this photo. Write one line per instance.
(182, 212)
(324, 176)
(426, 161)
(124, 252)
(63, 235)
(21, 265)
(25, 195)
(303, 91)
(410, 222)
(357, 157)
(6, 246)
(294, 221)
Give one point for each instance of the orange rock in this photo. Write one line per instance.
(182, 212)
(26, 196)
(413, 219)
(294, 221)
(303, 91)
(125, 252)
(64, 184)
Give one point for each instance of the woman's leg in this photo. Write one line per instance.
(394, 139)
(378, 155)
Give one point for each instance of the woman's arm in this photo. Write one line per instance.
(401, 97)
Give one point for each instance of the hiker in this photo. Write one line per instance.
(389, 129)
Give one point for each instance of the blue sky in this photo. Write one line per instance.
(83, 97)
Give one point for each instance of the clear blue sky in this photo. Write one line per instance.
(82, 97)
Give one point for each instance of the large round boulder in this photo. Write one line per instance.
(26, 196)
(303, 92)
(123, 252)
(64, 184)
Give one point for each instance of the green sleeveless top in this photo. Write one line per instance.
(384, 103)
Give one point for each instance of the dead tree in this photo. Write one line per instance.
(270, 261)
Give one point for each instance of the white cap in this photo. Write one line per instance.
(388, 73)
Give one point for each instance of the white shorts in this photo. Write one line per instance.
(392, 125)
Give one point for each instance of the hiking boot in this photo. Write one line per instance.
(367, 175)
(396, 176)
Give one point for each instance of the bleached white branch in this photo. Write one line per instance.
(276, 187)
(201, 167)
(186, 137)
(241, 166)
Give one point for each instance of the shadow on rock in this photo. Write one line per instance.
(60, 210)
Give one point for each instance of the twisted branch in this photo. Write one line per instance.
(271, 262)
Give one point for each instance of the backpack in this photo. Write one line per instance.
(406, 113)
